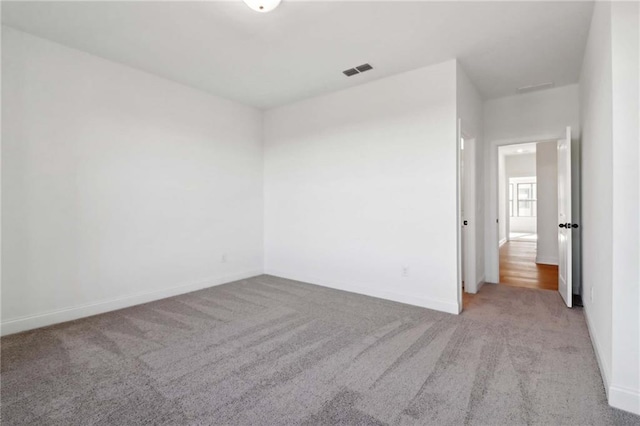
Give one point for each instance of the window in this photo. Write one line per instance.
(526, 199)
(511, 199)
(524, 203)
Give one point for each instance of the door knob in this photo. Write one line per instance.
(568, 225)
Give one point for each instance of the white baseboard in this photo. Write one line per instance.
(30, 322)
(547, 260)
(450, 307)
(604, 372)
(502, 241)
(625, 399)
(479, 284)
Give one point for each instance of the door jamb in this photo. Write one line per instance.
(461, 133)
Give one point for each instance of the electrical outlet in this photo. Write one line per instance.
(223, 258)
(405, 271)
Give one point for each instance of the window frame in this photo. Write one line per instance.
(515, 200)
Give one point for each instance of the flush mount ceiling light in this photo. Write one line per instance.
(262, 6)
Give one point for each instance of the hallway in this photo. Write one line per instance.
(518, 267)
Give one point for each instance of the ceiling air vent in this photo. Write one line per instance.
(350, 72)
(535, 87)
(357, 70)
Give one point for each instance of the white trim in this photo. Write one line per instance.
(479, 284)
(459, 249)
(596, 348)
(502, 242)
(469, 200)
(624, 399)
(529, 139)
(447, 306)
(30, 322)
(547, 260)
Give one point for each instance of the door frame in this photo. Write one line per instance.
(470, 206)
(470, 202)
(492, 239)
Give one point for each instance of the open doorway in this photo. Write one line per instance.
(557, 241)
(527, 200)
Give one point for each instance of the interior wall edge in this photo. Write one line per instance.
(17, 325)
(450, 307)
(624, 399)
(597, 348)
(547, 260)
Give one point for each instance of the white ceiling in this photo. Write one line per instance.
(300, 49)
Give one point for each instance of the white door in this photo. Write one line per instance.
(564, 218)
(467, 213)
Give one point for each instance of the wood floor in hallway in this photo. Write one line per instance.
(518, 267)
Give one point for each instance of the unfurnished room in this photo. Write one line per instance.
(285, 212)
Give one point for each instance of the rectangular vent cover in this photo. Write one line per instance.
(534, 87)
(357, 70)
(350, 72)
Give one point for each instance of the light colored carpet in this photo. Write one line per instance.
(268, 351)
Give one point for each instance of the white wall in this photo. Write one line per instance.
(469, 107)
(361, 183)
(547, 214)
(520, 165)
(118, 187)
(532, 117)
(610, 203)
(597, 184)
(625, 56)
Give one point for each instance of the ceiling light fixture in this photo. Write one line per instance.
(262, 6)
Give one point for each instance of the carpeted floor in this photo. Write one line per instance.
(268, 351)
